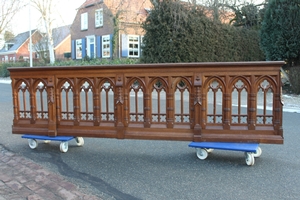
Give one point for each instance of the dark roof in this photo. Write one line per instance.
(60, 33)
(17, 41)
(89, 3)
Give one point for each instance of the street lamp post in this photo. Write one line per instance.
(30, 40)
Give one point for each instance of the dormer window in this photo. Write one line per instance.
(8, 46)
(99, 18)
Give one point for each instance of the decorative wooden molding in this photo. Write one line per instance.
(225, 102)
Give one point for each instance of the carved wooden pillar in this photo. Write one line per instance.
(52, 104)
(227, 104)
(170, 104)
(147, 104)
(119, 117)
(76, 102)
(203, 109)
(252, 104)
(227, 111)
(96, 102)
(15, 90)
(58, 101)
(192, 108)
(126, 107)
(197, 107)
(32, 93)
(277, 121)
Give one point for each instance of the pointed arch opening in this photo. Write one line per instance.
(214, 102)
(182, 102)
(136, 102)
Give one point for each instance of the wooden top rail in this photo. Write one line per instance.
(232, 101)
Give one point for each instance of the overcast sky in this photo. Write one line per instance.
(66, 11)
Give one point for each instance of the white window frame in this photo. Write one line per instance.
(78, 45)
(106, 46)
(134, 46)
(84, 21)
(99, 18)
(88, 43)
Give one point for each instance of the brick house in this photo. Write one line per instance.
(100, 25)
(18, 47)
(61, 42)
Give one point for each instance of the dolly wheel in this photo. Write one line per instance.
(201, 153)
(64, 147)
(32, 143)
(258, 152)
(79, 141)
(249, 158)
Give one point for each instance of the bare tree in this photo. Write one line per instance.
(8, 10)
(46, 9)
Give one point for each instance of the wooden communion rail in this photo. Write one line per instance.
(222, 102)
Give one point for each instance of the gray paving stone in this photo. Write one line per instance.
(23, 179)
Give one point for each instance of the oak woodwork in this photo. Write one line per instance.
(222, 102)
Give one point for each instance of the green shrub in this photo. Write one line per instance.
(176, 33)
(88, 61)
(3, 67)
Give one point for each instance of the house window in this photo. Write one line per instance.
(91, 46)
(79, 49)
(99, 18)
(133, 46)
(106, 46)
(84, 21)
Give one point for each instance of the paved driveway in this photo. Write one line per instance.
(137, 169)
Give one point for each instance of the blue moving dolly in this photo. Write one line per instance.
(32, 141)
(251, 150)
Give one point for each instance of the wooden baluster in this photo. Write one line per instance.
(147, 103)
(197, 108)
(277, 105)
(204, 107)
(32, 101)
(170, 104)
(119, 107)
(52, 106)
(227, 110)
(16, 100)
(76, 102)
(126, 106)
(58, 101)
(192, 108)
(252, 109)
(226, 104)
(96, 102)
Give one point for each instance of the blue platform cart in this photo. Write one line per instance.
(252, 150)
(64, 146)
